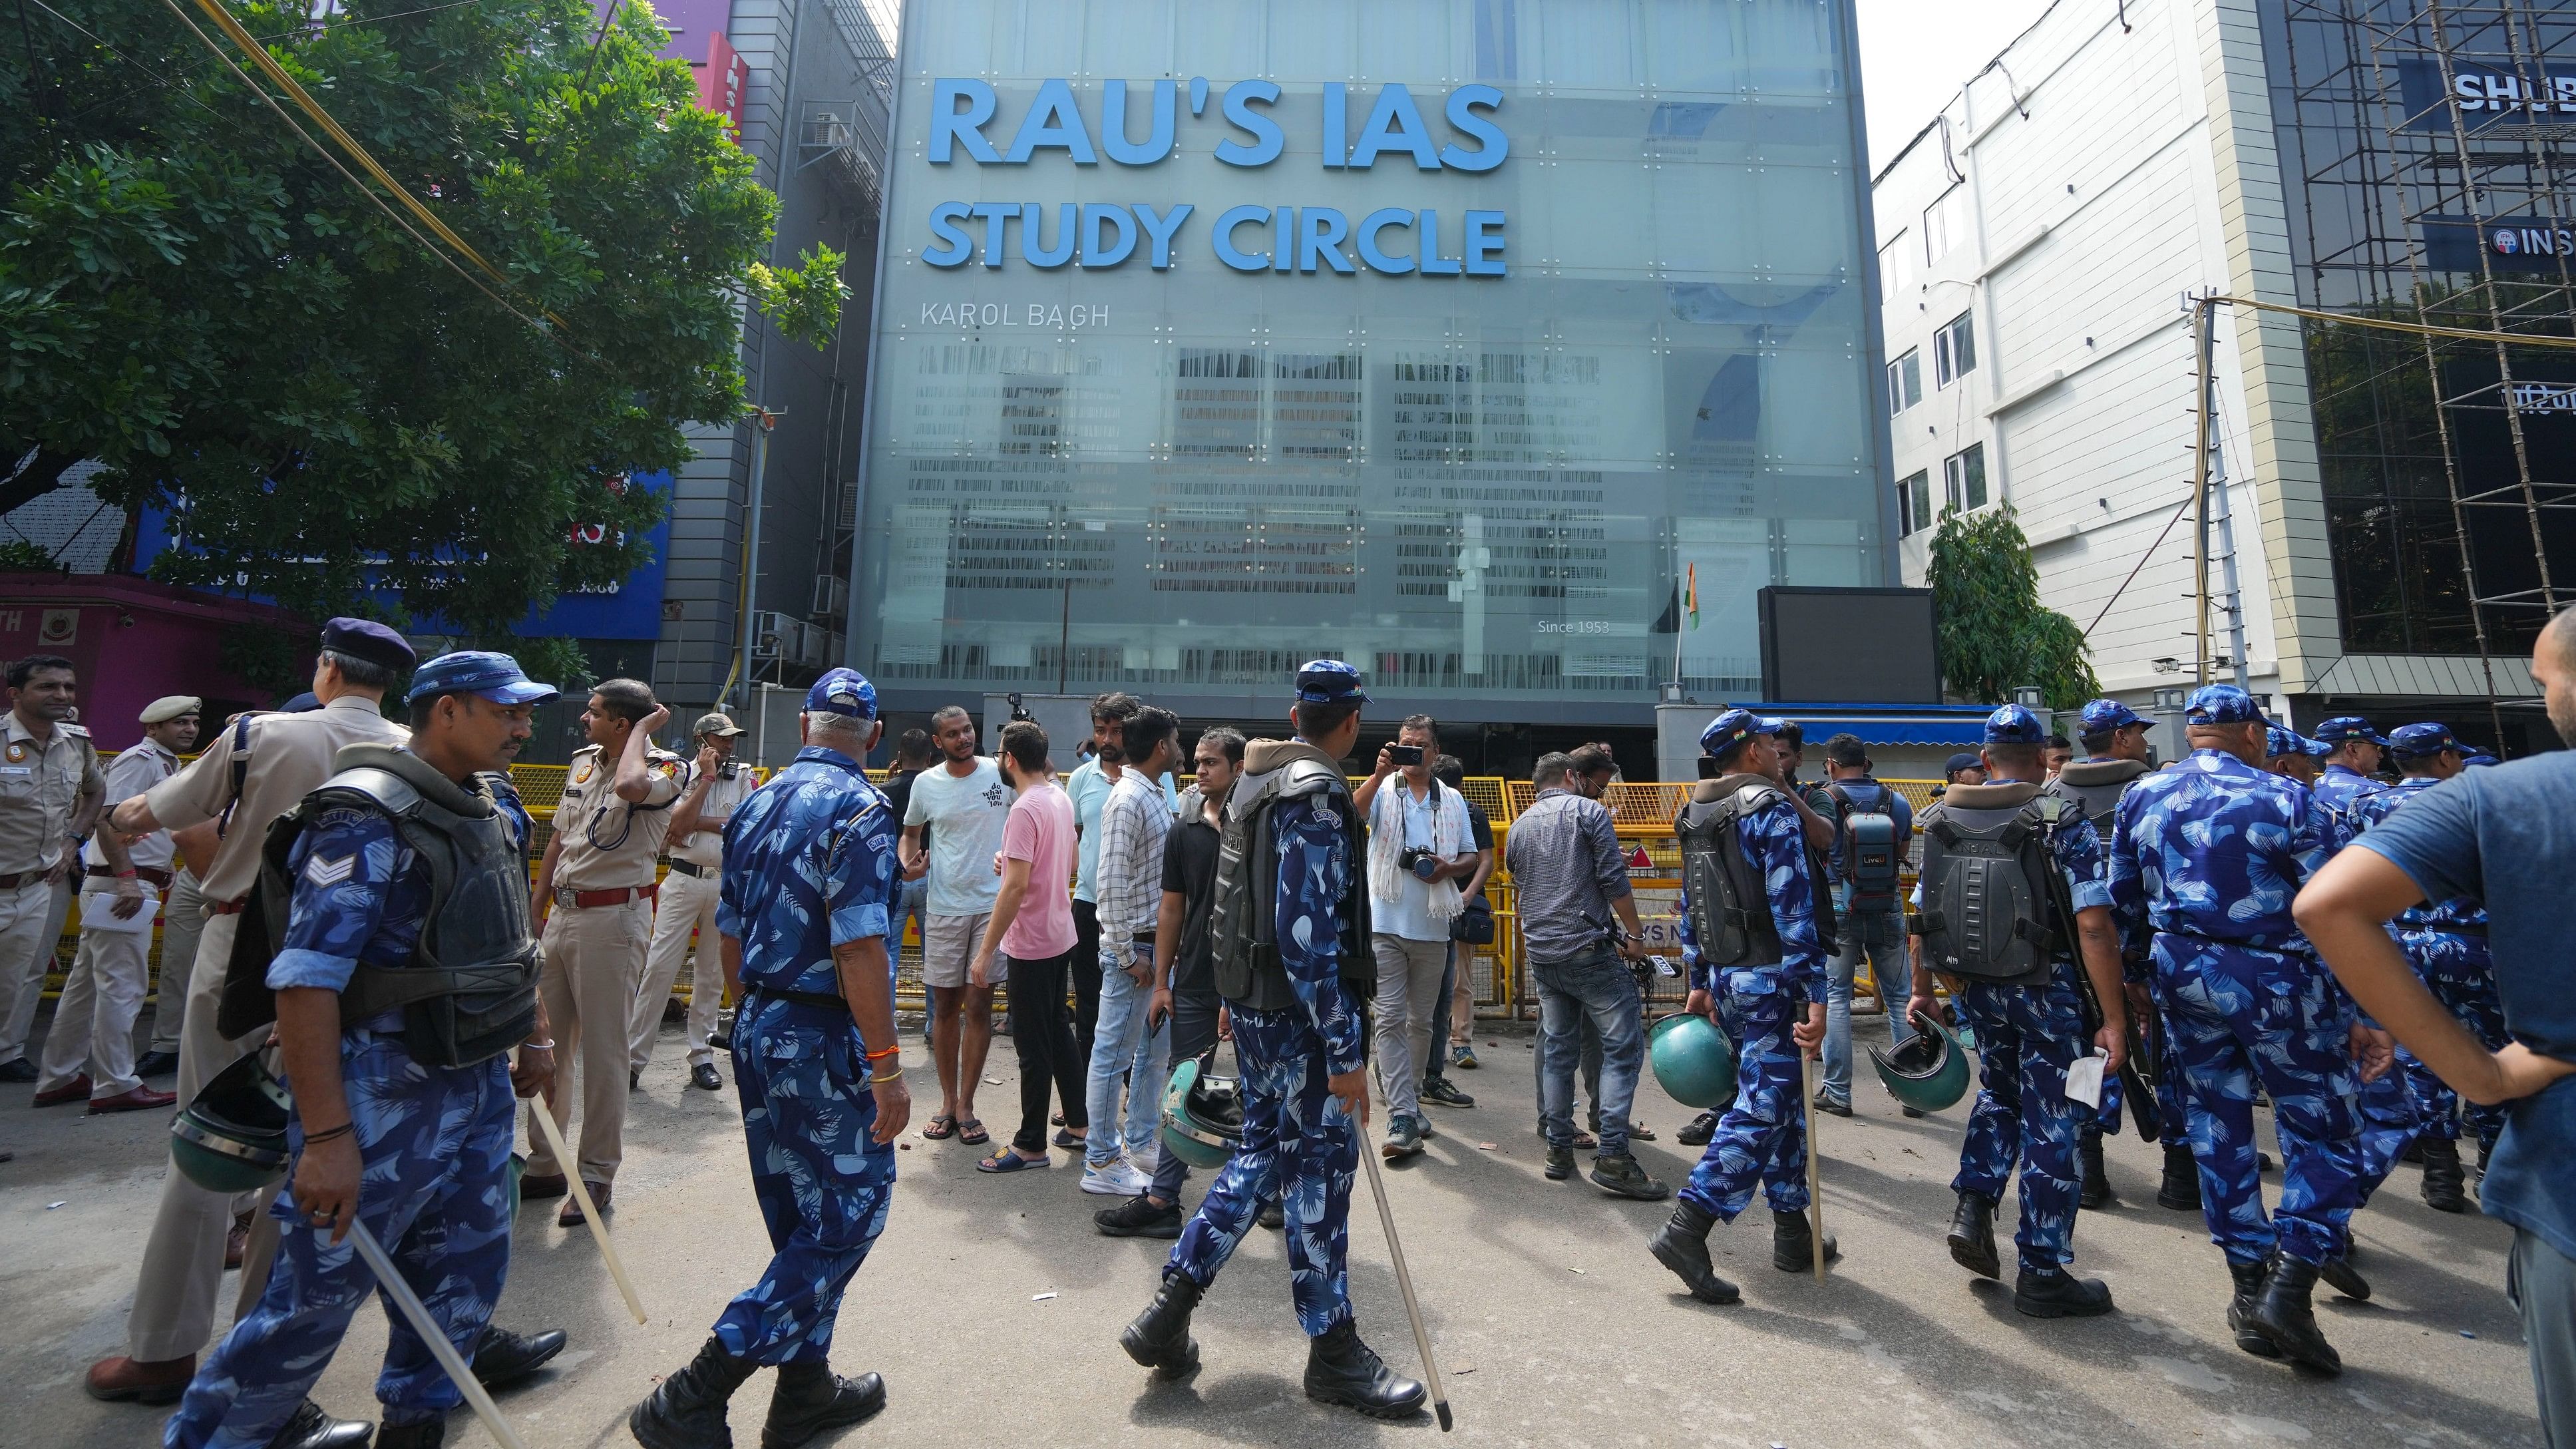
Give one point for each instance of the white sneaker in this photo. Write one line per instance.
(1115, 1179)
(1148, 1161)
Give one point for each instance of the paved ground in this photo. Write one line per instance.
(1553, 1324)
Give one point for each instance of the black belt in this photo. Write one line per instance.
(802, 998)
(691, 867)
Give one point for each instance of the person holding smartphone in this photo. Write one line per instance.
(1419, 850)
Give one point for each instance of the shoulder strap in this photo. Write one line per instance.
(241, 772)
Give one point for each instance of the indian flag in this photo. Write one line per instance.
(1690, 594)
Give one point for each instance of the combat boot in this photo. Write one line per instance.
(2339, 1275)
(427, 1434)
(1682, 1245)
(2240, 1309)
(1793, 1243)
(2284, 1316)
(1699, 1129)
(2444, 1184)
(1972, 1236)
(810, 1400)
(1620, 1176)
(1160, 1337)
(2096, 1192)
(1342, 1370)
(2181, 1187)
(2060, 1295)
(687, 1411)
(1560, 1163)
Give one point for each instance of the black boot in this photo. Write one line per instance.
(2339, 1275)
(1560, 1163)
(1972, 1236)
(2181, 1188)
(427, 1434)
(2445, 1187)
(1793, 1243)
(1699, 1129)
(1342, 1370)
(310, 1428)
(2240, 1309)
(688, 1410)
(504, 1358)
(809, 1401)
(2282, 1314)
(1160, 1337)
(1682, 1245)
(2060, 1295)
(2096, 1192)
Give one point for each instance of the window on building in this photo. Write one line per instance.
(1905, 381)
(1963, 478)
(1895, 268)
(1945, 223)
(1914, 502)
(1954, 349)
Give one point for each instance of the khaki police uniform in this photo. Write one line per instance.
(281, 758)
(183, 919)
(688, 903)
(599, 924)
(94, 1021)
(43, 783)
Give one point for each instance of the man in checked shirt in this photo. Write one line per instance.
(1128, 877)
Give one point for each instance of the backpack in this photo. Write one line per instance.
(1995, 907)
(1243, 907)
(1730, 907)
(2095, 787)
(1871, 857)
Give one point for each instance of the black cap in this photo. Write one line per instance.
(370, 641)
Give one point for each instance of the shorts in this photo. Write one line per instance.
(948, 946)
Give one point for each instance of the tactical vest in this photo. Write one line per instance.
(1995, 907)
(469, 991)
(1243, 906)
(2095, 787)
(1730, 905)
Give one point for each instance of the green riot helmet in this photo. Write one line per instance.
(232, 1138)
(1930, 1071)
(1693, 1061)
(1202, 1114)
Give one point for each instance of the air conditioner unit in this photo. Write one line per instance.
(831, 596)
(775, 636)
(810, 640)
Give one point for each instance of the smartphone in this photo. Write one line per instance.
(1405, 754)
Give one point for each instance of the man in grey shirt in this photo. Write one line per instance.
(1571, 879)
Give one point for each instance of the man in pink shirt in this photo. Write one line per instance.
(1033, 926)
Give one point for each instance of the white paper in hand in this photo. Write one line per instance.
(1664, 966)
(2084, 1079)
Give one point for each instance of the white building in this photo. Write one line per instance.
(2037, 241)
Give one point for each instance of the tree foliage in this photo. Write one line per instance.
(191, 295)
(1995, 635)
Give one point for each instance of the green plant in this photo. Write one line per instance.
(271, 660)
(1995, 636)
(22, 556)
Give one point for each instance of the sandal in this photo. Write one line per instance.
(972, 1133)
(1641, 1134)
(1069, 1142)
(1008, 1160)
(941, 1128)
(1585, 1141)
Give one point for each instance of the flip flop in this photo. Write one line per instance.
(1585, 1141)
(972, 1133)
(941, 1128)
(1066, 1140)
(1008, 1161)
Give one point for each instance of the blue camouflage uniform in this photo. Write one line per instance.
(2027, 1036)
(2447, 943)
(1300, 1147)
(2106, 716)
(2341, 787)
(809, 865)
(434, 1141)
(2209, 855)
(1762, 1139)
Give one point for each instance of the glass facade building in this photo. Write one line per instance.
(1497, 346)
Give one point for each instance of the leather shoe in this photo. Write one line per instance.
(141, 1099)
(570, 1217)
(503, 1358)
(17, 1069)
(121, 1380)
(75, 1090)
(703, 1076)
(538, 1186)
(156, 1064)
(310, 1428)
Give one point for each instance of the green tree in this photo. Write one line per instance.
(193, 296)
(1995, 635)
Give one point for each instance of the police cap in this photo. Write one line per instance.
(2218, 704)
(367, 640)
(2103, 716)
(715, 722)
(1728, 730)
(169, 707)
(1329, 681)
(2015, 725)
(2419, 740)
(496, 677)
(2346, 728)
(841, 690)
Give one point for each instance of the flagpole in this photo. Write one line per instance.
(1678, 691)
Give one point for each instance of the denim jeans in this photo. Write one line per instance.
(1598, 988)
(911, 902)
(1121, 1048)
(1880, 931)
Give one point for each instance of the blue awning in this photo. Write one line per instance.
(1895, 726)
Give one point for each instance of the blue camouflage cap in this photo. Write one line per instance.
(2221, 704)
(368, 640)
(1729, 730)
(2015, 725)
(2279, 742)
(1329, 681)
(1772, 724)
(2103, 716)
(2424, 739)
(2481, 758)
(842, 690)
(496, 677)
(2343, 729)
(304, 703)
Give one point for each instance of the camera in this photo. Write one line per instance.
(1710, 769)
(1019, 711)
(1419, 860)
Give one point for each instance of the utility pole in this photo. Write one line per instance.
(2202, 308)
(764, 422)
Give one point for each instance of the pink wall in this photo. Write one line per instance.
(134, 641)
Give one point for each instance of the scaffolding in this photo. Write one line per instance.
(2432, 143)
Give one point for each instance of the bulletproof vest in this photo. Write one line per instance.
(2095, 787)
(469, 991)
(1993, 901)
(1730, 906)
(1243, 906)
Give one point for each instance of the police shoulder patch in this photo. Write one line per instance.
(330, 870)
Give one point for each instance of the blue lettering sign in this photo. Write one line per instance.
(948, 124)
(1226, 251)
(1113, 124)
(1267, 139)
(1395, 125)
(1053, 120)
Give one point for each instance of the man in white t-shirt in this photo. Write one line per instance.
(688, 903)
(967, 804)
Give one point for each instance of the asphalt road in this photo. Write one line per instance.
(1553, 1324)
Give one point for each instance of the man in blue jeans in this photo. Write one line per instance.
(1871, 922)
(1565, 861)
